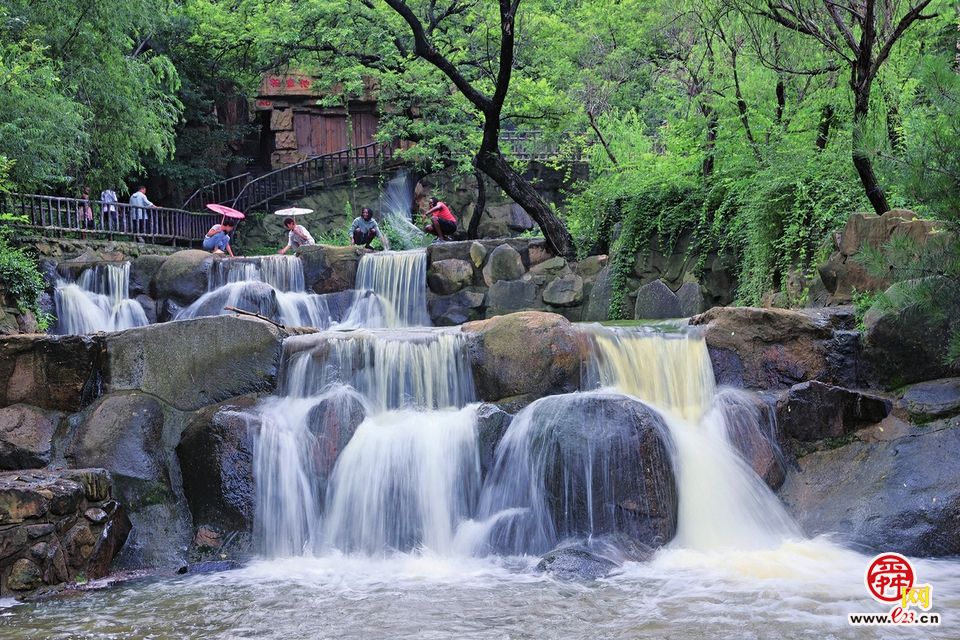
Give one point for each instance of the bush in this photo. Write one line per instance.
(20, 277)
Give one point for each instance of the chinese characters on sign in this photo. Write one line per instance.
(289, 84)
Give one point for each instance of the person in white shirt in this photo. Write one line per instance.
(297, 237)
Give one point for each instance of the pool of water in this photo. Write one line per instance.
(801, 590)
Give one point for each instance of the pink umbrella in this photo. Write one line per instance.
(227, 212)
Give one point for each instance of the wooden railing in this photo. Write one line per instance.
(301, 176)
(159, 225)
(222, 192)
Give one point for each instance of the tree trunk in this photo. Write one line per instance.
(861, 160)
(558, 238)
(473, 231)
(709, 148)
(823, 127)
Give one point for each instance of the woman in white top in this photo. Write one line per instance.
(297, 237)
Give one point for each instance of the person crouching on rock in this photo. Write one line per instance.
(442, 221)
(297, 237)
(364, 229)
(217, 239)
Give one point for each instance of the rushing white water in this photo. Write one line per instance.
(272, 286)
(399, 279)
(369, 447)
(396, 203)
(98, 301)
(723, 504)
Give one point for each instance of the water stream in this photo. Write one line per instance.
(98, 301)
(376, 518)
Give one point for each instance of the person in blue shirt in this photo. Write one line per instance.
(364, 229)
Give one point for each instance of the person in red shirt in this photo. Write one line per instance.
(442, 221)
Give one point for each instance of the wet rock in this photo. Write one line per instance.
(572, 563)
(122, 433)
(504, 263)
(216, 460)
(492, 423)
(598, 304)
(332, 421)
(183, 276)
(900, 495)
(529, 353)
(566, 291)
(26, 434)
(460, 307)
(50, 372)
(96, 516)
(655, 301)
(449, 276)
(217, 358)
(812, 411)
(766, 348)
(329, 269)
(926, 401)
(143, 270)
(149, 306)
(752, 429)
(111, 540)
(78, 543)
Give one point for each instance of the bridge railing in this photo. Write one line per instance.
(303, 175)
(153, 224)
(222, 192)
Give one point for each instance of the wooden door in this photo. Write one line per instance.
(307, 142)
(364, 128)
(334, 133)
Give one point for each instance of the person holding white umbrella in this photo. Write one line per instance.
(297, 236)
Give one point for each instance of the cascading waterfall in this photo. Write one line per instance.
(398, 278)
(395, 205)
(370, 446)
(98, 301)
(272, 286)
(722, 502)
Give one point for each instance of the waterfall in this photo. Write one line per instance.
(98, 301)
(272, 286)
(371, 445)
(722, 501)
(399, 279)
(395, 207)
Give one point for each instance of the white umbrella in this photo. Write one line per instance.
(293, 211)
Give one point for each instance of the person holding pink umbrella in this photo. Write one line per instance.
(217, 239)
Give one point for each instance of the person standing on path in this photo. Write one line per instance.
(139, 205)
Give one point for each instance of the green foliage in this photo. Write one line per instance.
(20, 277)
(862, 302)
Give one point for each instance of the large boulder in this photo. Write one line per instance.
(690, 296)
(449, 276)
(598, 303)
(767, 348)
(460, 307)
(125, 434)
(585, 464)
(655, 301)
(843, 274)
(504, 263)
(529, 354)
(329, 269)
(879, 495)
(492, 423)
(216, 460)
(812, 411)
(26, 434)
(56, 526)
(196, 363)
(183, 276)
(50, 372)
(143, 271)
(904, 342)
